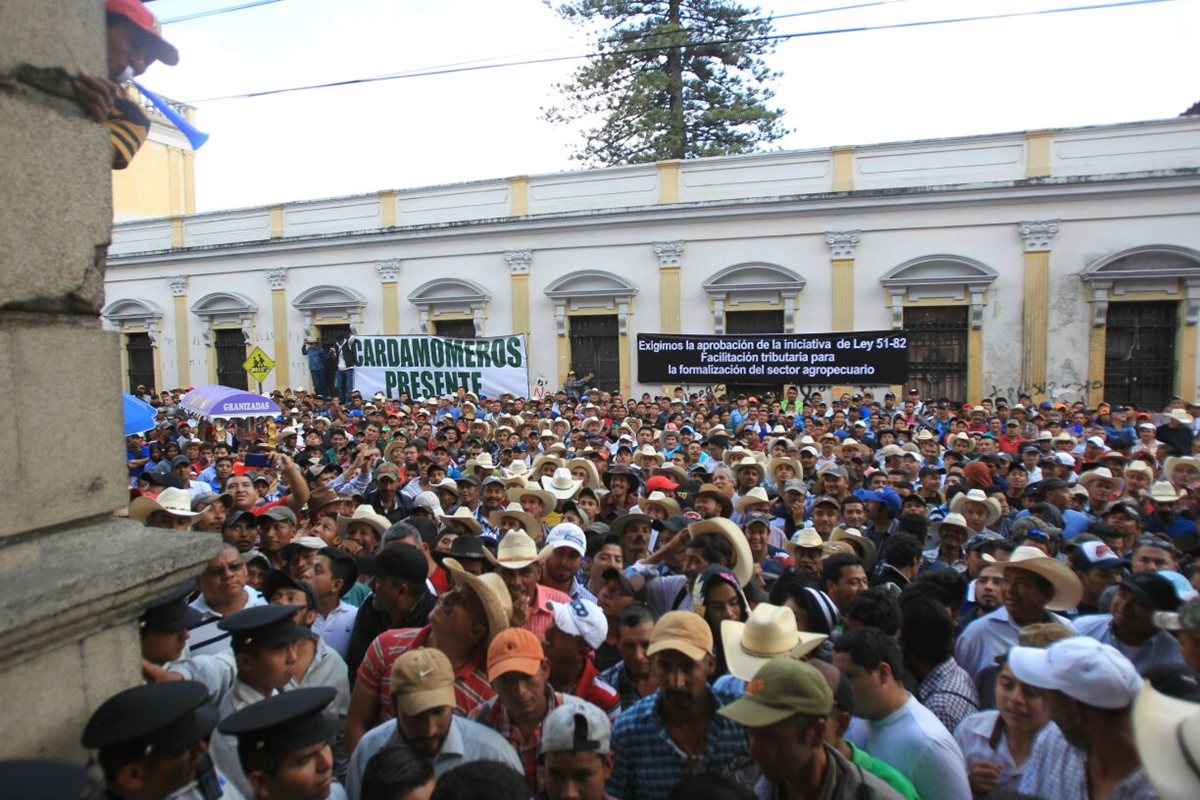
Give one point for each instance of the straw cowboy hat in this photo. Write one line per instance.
(514, 511)
(1180, 415)
(977, 496)
(491, 591)
(593, 476)
(548, 499)
(769, 632)
(482, 461)
(710, 490)
(863, 449)
(750, 462)
(962, 437)
(617, 526)
(743, 561)
(837, 549)
(515, 551)
(751, 498)
(176, 502)
(1159, 492)
(677, 473)
(1166, 725)
(806, 538)
(1100, 474)
(541, 460)
(864, 548)
(786, 461)
(561, 485)
(462, 516)
(1172, 462)
(1068, 591)
(398, 444)
(647, 453)
(364, 513)
(668, 504)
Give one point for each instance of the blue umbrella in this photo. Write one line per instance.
(139, 415)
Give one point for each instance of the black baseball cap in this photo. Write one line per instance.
(263, 626)
(398, 561)
(279, 579)
(1153, 589)
(152, 718)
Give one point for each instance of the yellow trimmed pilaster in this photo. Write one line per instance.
(564, 355)
(387, 209)
(279, 327)
(669, 300)
(519, 195)
(624, 341)
(975, 365)
(1185, 349)
(1097, 350)
(1036, 322)
(176, 231)
(843, 294)
(183, 370)
(1037, 154)
(390, 295)
(843, 169)
(668, 181)
(277, 222)
(189, 182)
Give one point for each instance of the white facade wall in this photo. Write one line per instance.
(1110, 189)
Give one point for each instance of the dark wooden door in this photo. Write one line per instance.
(937, 351)
(1139, 354)
(139, 356)
(231, 354)
(596, 347)
(455, 328)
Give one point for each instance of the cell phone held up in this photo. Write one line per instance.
(257, 460)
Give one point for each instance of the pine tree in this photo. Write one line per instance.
(672, 79)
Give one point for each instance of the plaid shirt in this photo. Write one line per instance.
(616, 677)
(471, 685)
(494, 715)
(949, 693)
(1058, 770)
(649, 764)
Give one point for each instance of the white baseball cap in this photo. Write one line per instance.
(1082, 668)
(566, 534)
(581, 618)
(576, 726)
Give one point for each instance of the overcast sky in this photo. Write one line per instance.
(1058, 70)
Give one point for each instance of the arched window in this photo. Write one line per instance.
(451, 300)
(330, 305)
(591, 313)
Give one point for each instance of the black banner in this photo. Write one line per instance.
(862, 358)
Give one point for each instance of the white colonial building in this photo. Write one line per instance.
(1065, 263)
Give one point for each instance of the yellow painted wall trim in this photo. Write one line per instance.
(670, 315)
(520, 303)
(390, 297)
(564, 356)
(843, 294)
(1185, 355)
(975, 365)
(189, 182)
(283, 376)
(625, 342)
(387, 209)
(176, 231)
(1036, 313)
(519, 195)
(1037, 154)
(183, 367)
(843, 169)
(668, 181)
(277, 222)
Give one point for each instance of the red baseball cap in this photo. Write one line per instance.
(661, 482)
(137, 13)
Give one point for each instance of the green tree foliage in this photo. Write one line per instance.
(672, 79)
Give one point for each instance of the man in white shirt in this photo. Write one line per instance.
(890, 724)
(223, 591)
(334, 573)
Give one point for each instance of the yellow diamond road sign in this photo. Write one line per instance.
(259, 364)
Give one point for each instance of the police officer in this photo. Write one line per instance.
(283, 745)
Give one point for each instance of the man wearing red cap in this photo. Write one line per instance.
(134, 42)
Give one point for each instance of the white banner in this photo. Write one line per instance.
(430, 366)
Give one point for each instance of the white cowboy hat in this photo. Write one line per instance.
(561, 485)
(743, 561)
(645, 452)
(785, 461)
(753, 497)
(1100, 474)
(538, 462)
(863, 547)
(514, 511)
(549, 500)
(1172, 462)
(1167, 731)
(516, 550)
(668, 504)
(490, 589)
(1159, 492)
(482, 461)
(364, 513)
(1068, 591)
(977, 496)
(176, 502)
(1181, 415)
(445, 484)
(462, 516)
(593, 477)
(769, 632)
(956, 520)
(808, 537)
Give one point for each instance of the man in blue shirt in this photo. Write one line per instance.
(317, 358)
(676, 731)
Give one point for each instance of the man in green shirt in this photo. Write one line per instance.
(835, 736)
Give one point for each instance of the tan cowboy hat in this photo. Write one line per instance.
(516, 550)
(462, 516)
(647, 452)
(1068, 591)
(864, 548)
(743, 561)
(769, 632)
(482, 461)
(1101, 474)
(593, 477)
(711, 490)
(1140, 467)
(962, 437)
(977, 496)
(284, 434)
(1172, 462)
(517, 469)
(548, 499)
(837, 549)
(557, 450)
(1181, 415)
(753, 497)
(750, 462)
(514, 511)
(668, 504)
(806, 538)
(677, 473)
(364, 513)
(562, 486)
(541, 460)
(492, 593)
(398, 444)
(785, 461)
(176, 502)
(1159, 492)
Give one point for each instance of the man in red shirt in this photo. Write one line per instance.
(518, 562)
(579, 628)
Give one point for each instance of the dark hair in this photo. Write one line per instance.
(427, 528)
(342, 567)
(715, 549)
(870, 647)
(852, 500)
(633, 615)
(794, 587)
(710, 787)
(993, 546)
(394, 772)
(875, 608)
(947, 586)
(927, 631)
(831, 568)
(599, 541)
(482, 780)
(902, 549)
(914, 524)
(252, 759)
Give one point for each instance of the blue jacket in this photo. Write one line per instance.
(316, 357)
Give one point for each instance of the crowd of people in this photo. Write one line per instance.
(588, 596)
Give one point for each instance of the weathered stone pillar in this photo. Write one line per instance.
(72, 577)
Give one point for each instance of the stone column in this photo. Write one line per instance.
(277, 280)
(389, 278)
(670, 254)
(72, 577)
(1037, 237)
